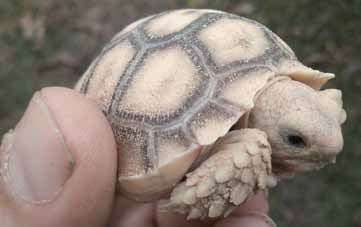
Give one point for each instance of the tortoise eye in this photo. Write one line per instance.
(296, 141)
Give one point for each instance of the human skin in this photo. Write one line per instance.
(58, 168)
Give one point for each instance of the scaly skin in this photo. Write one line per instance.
(241, 166)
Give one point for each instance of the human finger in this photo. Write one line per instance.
(58, 166)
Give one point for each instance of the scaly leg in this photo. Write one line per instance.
(240, 166)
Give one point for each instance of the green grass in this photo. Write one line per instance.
(324, 34)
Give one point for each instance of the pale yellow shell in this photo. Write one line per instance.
(174, 82)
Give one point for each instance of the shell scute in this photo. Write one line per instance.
(244, 41)
(249, 81)
(113, 64)
(171, 22)
(165, 83)
(132, 145)
(211, 122)
(170, 144)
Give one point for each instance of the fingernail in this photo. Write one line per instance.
(263, 217)
(38, 162)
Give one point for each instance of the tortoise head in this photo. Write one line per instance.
(303, 125)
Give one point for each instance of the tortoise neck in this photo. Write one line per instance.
(243, 122)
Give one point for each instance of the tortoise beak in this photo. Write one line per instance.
(331, 145)
(289, 166)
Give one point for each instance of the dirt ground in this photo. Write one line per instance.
(51, 43)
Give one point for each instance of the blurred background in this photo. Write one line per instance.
(51, 43)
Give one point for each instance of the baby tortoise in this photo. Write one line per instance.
(208, 108)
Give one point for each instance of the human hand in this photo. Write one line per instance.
(58, 169)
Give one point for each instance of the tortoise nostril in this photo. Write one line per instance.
(332, 145)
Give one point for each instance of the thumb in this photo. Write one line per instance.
(58, 166)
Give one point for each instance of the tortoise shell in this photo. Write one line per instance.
(175, 82)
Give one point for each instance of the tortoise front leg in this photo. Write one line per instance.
(240, 166)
